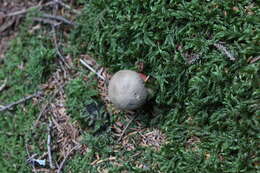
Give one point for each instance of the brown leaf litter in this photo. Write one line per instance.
(138, 135)
(66, 134)
(154, 138)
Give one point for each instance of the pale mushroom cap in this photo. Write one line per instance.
(126, 90)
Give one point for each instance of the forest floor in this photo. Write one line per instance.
(202, 59)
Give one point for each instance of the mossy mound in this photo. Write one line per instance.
(215, 99)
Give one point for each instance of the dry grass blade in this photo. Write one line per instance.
(253, 60)
(62, 58)
(103, 160)
(65, 158)
(128, 124)
(224, 50)
(154, 138)
(47, 104)
(2, 87)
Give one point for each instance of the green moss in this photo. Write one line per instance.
(215, 99)
(28, 63)
(80, 94)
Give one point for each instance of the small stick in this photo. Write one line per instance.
(122, 134)
(254, 59)
(41, 170)
(96, 162)
(7, 107)
(56, 6)
(224, 50)
(47, 104)
(91, 69)
(2, 87)
(28, 154)
(65, 158)
(40, 115)
(59, 18)
(23, 11)
(62, 58)
(46, 21)
(5, 26)
(49, 144)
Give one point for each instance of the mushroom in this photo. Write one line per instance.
(126, 90)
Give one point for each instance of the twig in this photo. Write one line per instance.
(47, 21)
(96, 162)
(122, 134)
(59, 18)
(2, 87)
(91, 69)
(40, 115)
(224, 50)
(62, 58)
(46, 105)
(41, 170)
(56, 6)
(23, 11)
(49, 144)
(20, 101)
(9, 23)
(65, 158)
(253, 60)
(68, 7)
(28, 154)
